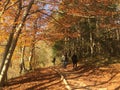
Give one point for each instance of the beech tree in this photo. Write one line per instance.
(20, 13)
(13, 37)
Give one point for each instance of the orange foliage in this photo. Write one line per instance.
(86, 9)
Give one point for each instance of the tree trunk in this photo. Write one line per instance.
(91, 38)
(32, 51)
(118, 34)
(9, 43)
(9, 53)
(5, 65)
(91, 44)
(22, 64)
(30, 58)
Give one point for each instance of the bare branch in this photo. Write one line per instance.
(4, 8)
(12, 4)
(47, 15)
(45, 2)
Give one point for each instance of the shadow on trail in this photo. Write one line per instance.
(117, 88)
(37, 80)
(81, 71)
(90, 72)
(101, 83)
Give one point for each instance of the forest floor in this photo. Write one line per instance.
(84, 78)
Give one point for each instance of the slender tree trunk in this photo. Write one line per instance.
(118, 34)
(30, 58)
(22, 64)
(30, 61)
(32, 51)
(91, 44)
(97, 44)
(91, 38)
(12, 46)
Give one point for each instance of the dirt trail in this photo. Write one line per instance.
(84, 78)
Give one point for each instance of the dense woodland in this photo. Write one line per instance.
(91, 28)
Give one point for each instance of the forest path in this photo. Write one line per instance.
(58, 78)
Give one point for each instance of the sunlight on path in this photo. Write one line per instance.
(63, 79)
